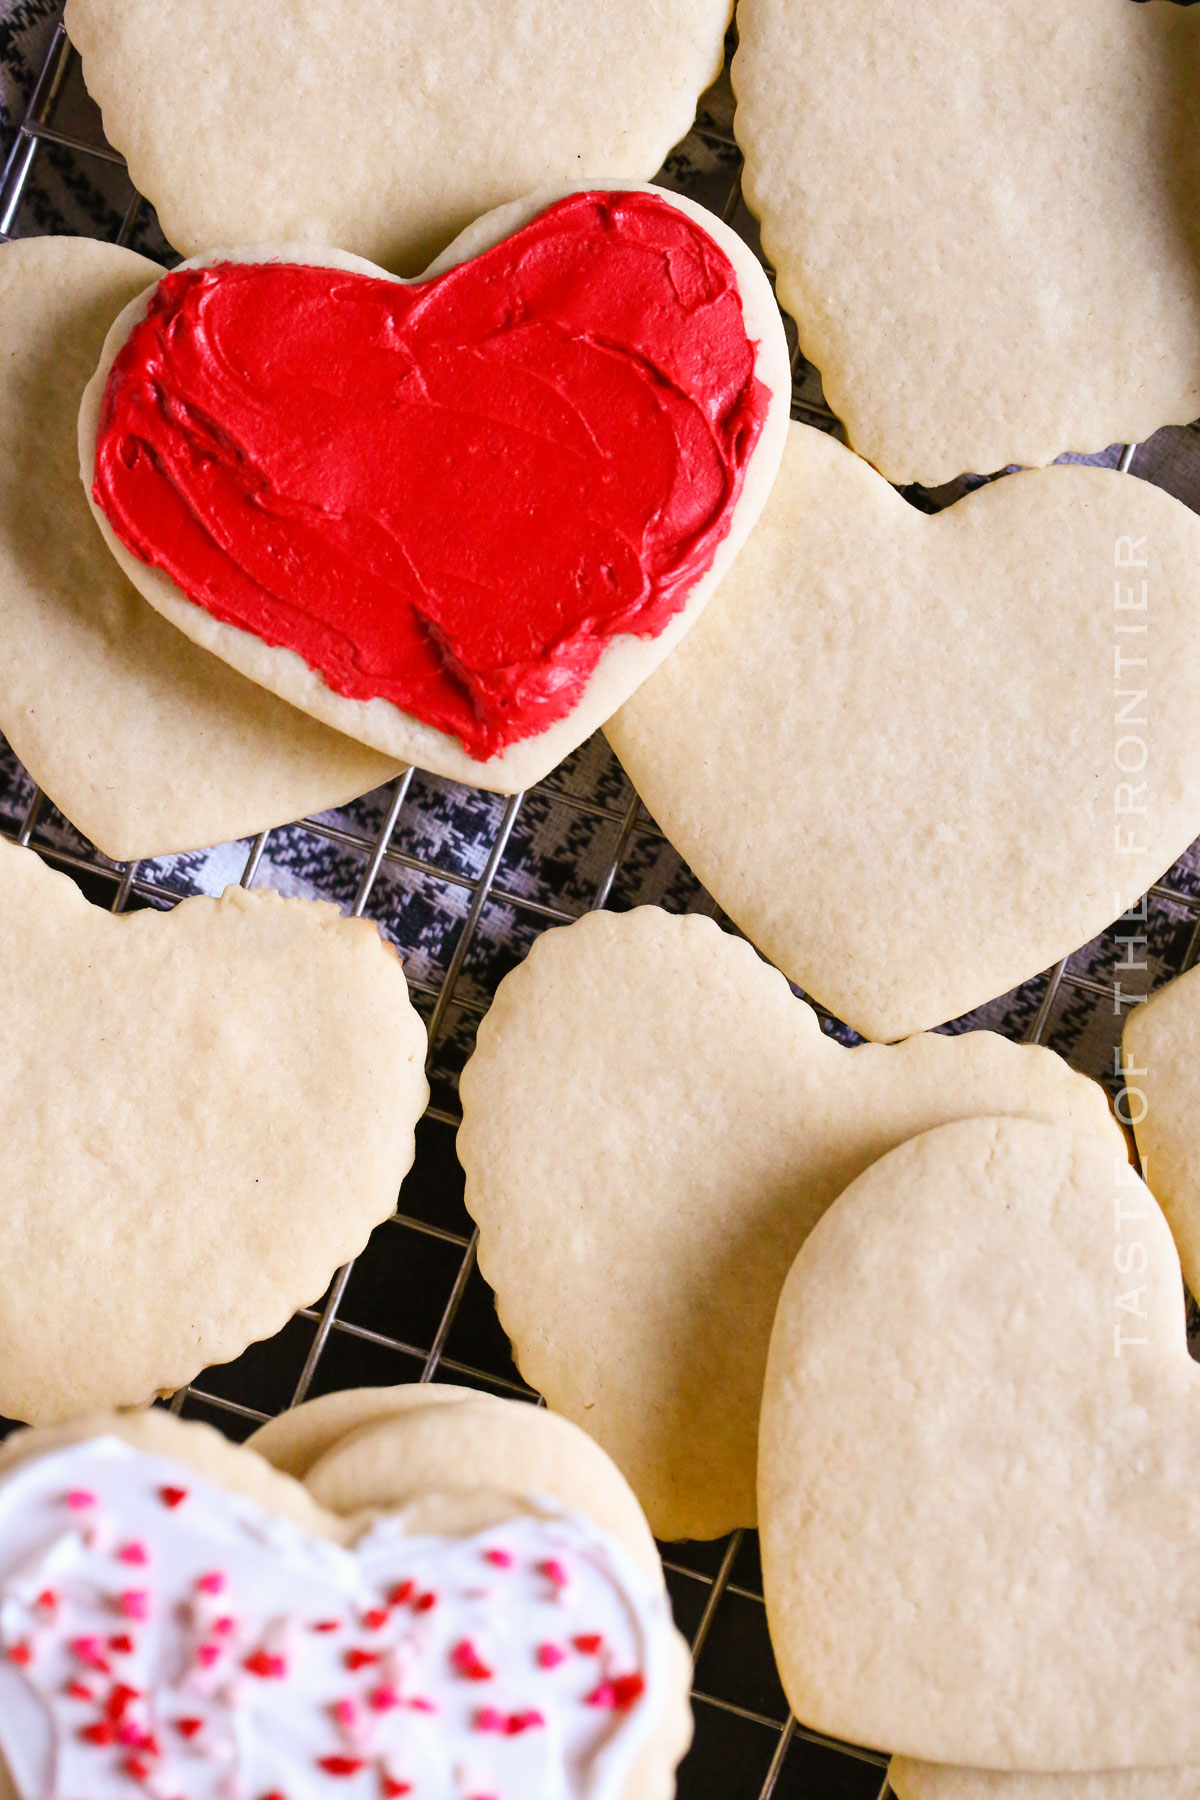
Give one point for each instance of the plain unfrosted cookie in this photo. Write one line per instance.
(673, 358)
(204, 1114)
(457, 1593)
(145, 742)
(901, 752)
(652, 1125)
(1161, 1070)
(985, 222)
(980, 1460)
(385, 130)
(941, 1781)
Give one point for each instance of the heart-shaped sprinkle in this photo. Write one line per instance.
(450, 495)
(274, 1705)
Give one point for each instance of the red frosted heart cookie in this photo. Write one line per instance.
(459, 519)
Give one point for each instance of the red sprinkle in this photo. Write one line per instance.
(466, 1661)
(328, 1625)
(122, 1644)
(265, 1665)
(361, 1659)
(78, 1691)
(172, 1496)
(425, 1603)
(189, 1728)
(21, 1654)
(393, 1789)
(554, 1572)
(376, 1619)
(120, 1700)
(47, 1600)
(589, 1643)
(549, 1656)
(400, 1596)
(619, 1694)
(100, 1733)
(383, 1698)
(135, 1767)
(516, 1723)
(341, 1765)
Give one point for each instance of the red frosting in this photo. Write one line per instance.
(449, 495)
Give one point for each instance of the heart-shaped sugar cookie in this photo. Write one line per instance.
(1161, 1065)
(178, 1617)
(950, 749)
(204, 1114)
(986, 225)
(385, 130)
(460, 519)
(980, 1459)
(146, 743)
(911, 1780)
(652, 1125)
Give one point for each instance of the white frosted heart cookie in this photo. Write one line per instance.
(1161, 1071)
(974, 294)
(204, 1112)
(460, 519)
(385, 130)
(652, 1125)
(146, 743)
(978, 730)
(979, 1461)
(911, 1780)
(178, 1615)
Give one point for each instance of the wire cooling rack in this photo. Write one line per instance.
(462, 882)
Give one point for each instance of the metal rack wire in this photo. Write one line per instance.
(413, 1306)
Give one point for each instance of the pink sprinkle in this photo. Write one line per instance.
(549, 1656)
(132, 1736)
(419, 1704)
(383, 1698)
(224, 1626)
(488, 1719)
(554, 1572)
(499, 1559)
(135, 1604)
(90, 1650)
(345, 1712)
(207, 1654)
(81, 1500)
(214, 1583)
(136, 1554)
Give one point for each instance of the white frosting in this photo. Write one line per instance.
(206, 1609)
